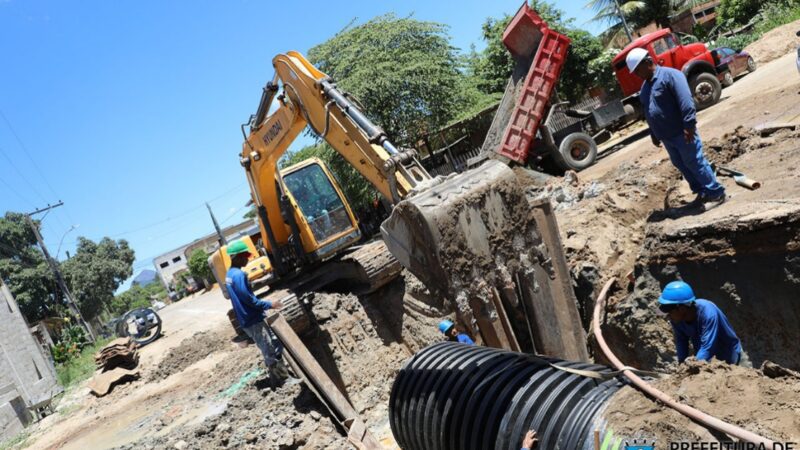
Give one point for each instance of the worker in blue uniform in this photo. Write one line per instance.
(250, 311)
(448, 328)
(701, 323)
(669, 108)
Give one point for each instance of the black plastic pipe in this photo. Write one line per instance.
(455, 396)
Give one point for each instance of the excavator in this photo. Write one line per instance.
(471, 237)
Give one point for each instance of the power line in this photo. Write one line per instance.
(14, 191)
(33, 161)
(25, 179)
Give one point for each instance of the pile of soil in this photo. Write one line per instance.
(741, 396)
(775, 43)
(191, 350)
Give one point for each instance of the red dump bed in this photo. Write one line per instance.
(528, 33)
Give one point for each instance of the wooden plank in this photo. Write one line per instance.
(566, 318)
(323, 385)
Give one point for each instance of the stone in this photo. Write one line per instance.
(181, 445)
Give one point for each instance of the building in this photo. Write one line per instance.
(704, 14)
(171, 264)
(27, 377)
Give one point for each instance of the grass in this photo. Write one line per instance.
(773, 16)
(80, 368)
(16, 441)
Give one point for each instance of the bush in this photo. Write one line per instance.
(737, 11)
(198, 266)
(81, 366)
(737, 42)
(70, 343)
(776, 14)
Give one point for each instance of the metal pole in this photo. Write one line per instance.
(624, 22)
(59, 278)
(222, 240)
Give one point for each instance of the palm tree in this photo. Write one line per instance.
(638, 12)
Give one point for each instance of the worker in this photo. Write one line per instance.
(250, 309)
(670, 111)
(448, 328)
(530, 441)
(700, 322)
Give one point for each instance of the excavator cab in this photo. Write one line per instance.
(323, 212)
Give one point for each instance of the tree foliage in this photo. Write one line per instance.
(24, 269)
(96, 271)
(404, 72)
(494, 64)
(137, 297)
(198, 266)
(737, 11)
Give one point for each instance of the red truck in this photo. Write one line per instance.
(530, 126)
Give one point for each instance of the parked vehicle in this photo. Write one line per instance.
(738, 62)
(798, 54)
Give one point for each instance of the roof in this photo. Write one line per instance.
(641, 42)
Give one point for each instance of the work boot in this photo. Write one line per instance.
(710, 203)
(698, 201)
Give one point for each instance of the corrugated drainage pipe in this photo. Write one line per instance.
(692, 413)
(455, 396)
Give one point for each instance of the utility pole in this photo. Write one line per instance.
(624, 22)
(59, 278)
(222, 241)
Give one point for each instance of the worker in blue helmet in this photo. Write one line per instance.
(448, 328)
(700, 322)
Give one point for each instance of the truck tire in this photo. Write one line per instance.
(727, 80)
(751, 64)
(706, 90)
(576, 152)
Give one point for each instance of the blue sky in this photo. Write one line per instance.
(129, 111)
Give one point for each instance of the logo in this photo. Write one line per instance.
(640, 444)
(272, 132)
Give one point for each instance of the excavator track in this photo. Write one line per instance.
(376, 266)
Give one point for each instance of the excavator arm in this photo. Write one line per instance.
(307, 97)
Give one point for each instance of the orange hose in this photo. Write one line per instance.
(686, 410)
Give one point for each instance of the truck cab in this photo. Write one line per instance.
(700, 65)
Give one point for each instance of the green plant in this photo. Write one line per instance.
(737, 42)
(70, 343)
(81, 366)
(737, 11)
(775, 14)
(198, 266)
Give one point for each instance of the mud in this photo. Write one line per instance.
(191, 350)
(738, 395)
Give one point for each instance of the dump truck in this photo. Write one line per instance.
(525, 129)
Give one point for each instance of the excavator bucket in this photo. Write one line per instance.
(474, 239)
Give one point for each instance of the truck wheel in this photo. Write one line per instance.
(727, 79)
(576, 152)
(706, 89)
(751, 64)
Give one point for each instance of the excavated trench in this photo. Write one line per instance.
(750, 268)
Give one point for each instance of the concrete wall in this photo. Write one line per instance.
(27, 378)
(168, 264)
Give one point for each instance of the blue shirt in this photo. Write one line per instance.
(668, 104)
(249, 309)
(464, 339)
(711, 335)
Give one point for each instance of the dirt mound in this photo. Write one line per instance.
(744, 397)
(191, 350)
(775, 43)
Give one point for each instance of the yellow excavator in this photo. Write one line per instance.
(309, 234)
(471, 237)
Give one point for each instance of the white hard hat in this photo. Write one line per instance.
(635, 57)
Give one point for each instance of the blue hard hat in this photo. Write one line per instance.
(676, 293)
(445, 325)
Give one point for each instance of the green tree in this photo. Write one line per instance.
(737, 11)
(404, 72)
(251, 213)
(24, 269)
(198, 266)
(96, 271)
(495, 64)
(137, 297)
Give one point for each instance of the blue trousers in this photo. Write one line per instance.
(266, 341)
(693, 165)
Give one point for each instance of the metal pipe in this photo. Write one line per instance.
(686, 410)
